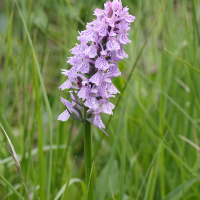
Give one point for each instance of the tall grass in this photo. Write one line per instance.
(152, 151)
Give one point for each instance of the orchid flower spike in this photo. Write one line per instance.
(94, 64)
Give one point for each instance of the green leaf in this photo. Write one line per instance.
(177, 193)
(40, 18)
(11, 187)
(113, 179)
(47, 104)
(67, 184)
(183, 61)
(100, 194)
(73, 180)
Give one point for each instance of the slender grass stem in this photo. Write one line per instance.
(162, 112)
(88, 158)
(40, 138)
(48, 108)
(11, 187)
(195, 21)
(91, 2)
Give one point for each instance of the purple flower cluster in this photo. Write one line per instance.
(95, 63)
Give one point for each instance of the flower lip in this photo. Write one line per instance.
(103, 53)
(112, 34)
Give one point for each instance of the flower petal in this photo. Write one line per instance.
(66, 85)
(99, 12)
(64, 116)
(114, 71)
(96, 78)
(129, 18)
(84, 67)
(66, 102)
(78, 49)
(107, 107)
(121, 54)
(98, 122)
(101, 63)
(83, 93)
(91, 51)
(112, 44)
(123, 38)
(112, 89)
(102, 90)
(91, 102)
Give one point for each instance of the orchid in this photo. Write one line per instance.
(94, 64)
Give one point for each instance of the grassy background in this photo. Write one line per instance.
(145, 156)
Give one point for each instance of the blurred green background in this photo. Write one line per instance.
(152, 152)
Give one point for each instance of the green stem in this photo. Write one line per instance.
(11, 187)
(88, 158)
(40, 137)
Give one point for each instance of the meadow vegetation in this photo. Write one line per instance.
(152, 151)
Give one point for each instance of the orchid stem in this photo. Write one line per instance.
(88, 157)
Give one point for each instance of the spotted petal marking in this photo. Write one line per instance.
(114, 70)
(64, 116)
(66, 85)
(123, 38)
(98, 122)
(129, 18)
(112, 89)
(101, 63)
(91, 102)
(121, 54)
(99, 12)
(103, 31)
(91, 51)
(77, 49)
(84, 67)
(102, 90)
(83, 93)
(107, 107)
(112, 44)
(88, 32)
(96, 78)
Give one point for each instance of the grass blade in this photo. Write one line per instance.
(177, 194)
(88, 11)
(86, 196)
(73, 180)
(16, 160)
(7, 60)
(147, 191)
(68, 180)
(113, 198)
(190, 142)
(40, 137)
(123, 157)
(104, 180)
(74, 12)
(173, 102)
(195, 19)
(150, 167)
(183, 61)
(11, 187)
(50, 117)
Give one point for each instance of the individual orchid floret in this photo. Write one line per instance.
(70, 109)
(98, 122)
(101, 63)
(94, 64)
